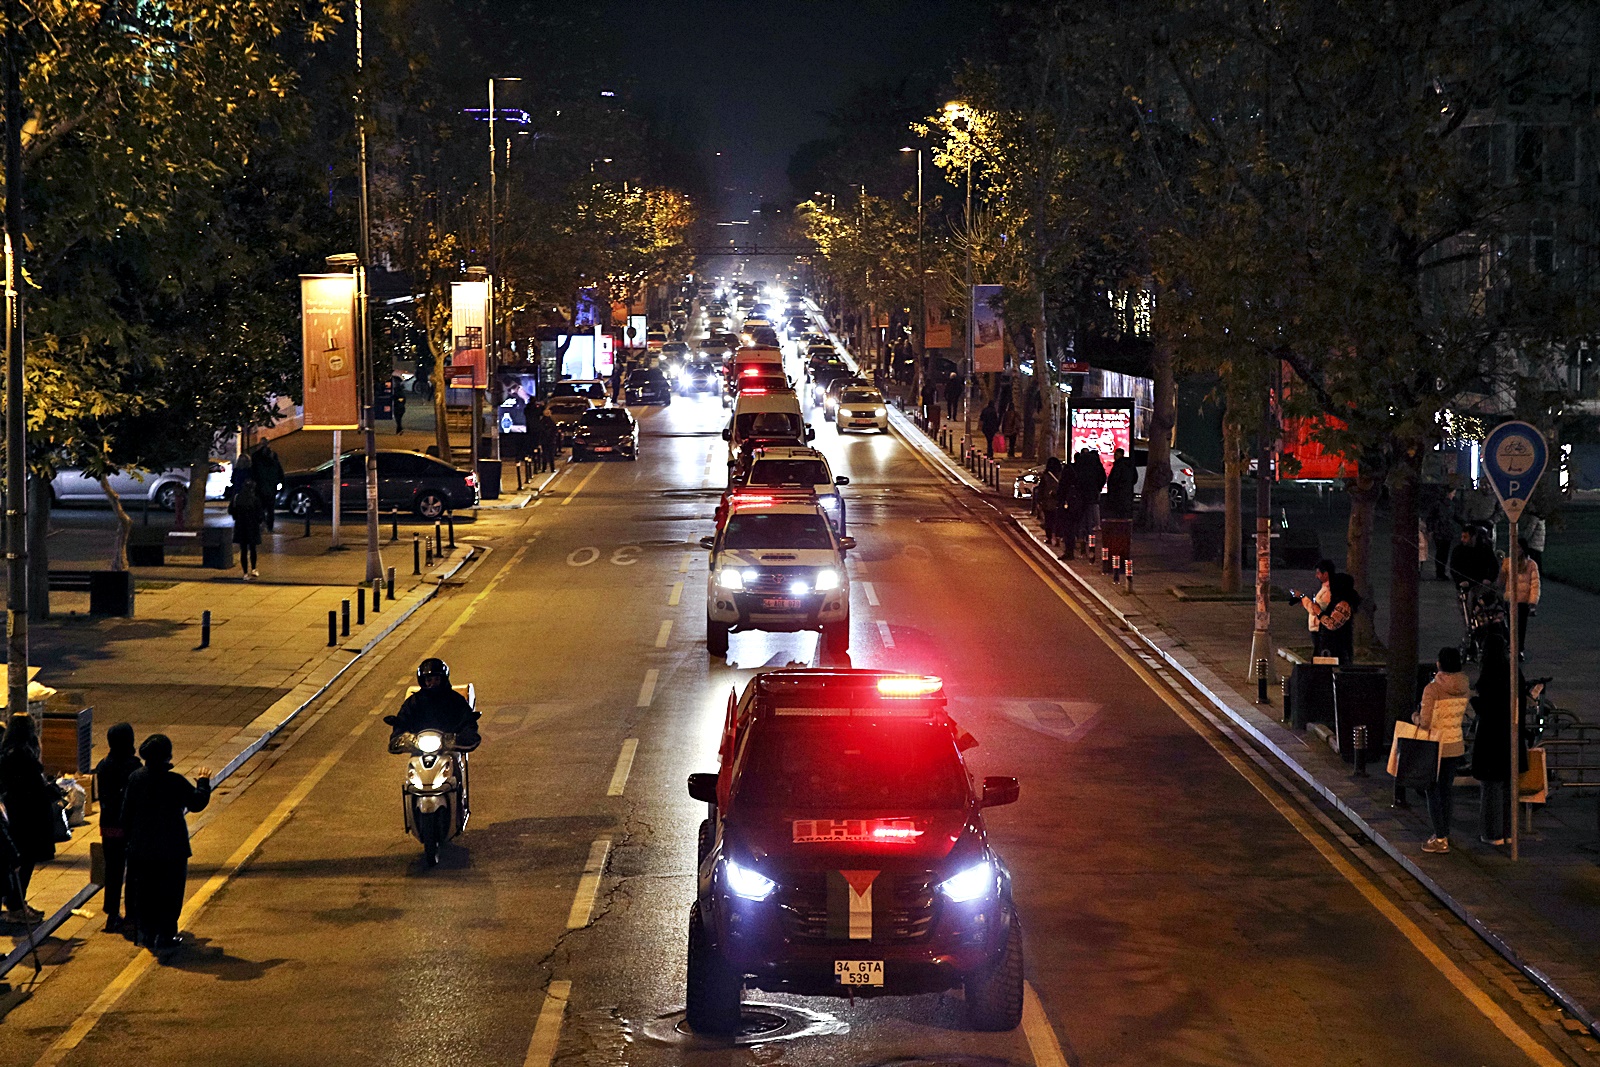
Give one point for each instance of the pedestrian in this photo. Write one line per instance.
(1318, 602)
(111, 786)
(245, 508)
(267, 471)
(1045, 498)
(1090, 474)
(1533, 524)
(1444, 703)
(1335, 621)
(158, 839)
(989, 423)
(549, 439)
(1011, 426)
(1121, 481)
(1527, 592)
(952, 395)
(1072, 517)
(33, 812)
(1472, 560)
(399, 412)
(1491, 744)
(1441, 530)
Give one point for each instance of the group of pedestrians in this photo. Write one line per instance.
(253, 503)
(1068, 498)
(1483, 576)
(142, 829)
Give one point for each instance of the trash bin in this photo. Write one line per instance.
(489, 478)
(66, 741)
(147, 546)
(1360, 696)
(216, 547)
(111, 593)
(1310, 694)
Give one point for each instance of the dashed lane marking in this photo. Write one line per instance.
(547, 1031)
(579, 487)
(676, 595)
(683, 564)
(663, 633)
(619, 777)
(885, 635)
(588, 885)
(647, 688)
(870, 592)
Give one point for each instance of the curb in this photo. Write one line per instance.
(298, 702)
(918, 440)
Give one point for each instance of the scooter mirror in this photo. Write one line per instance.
(390, 720)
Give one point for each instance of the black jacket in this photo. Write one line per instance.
(1474, 562)
(989, 420)
(441, 709)
(152, 812)
(111, 783)
(31, 800)
(1090, 474)
(267, 469)
(1120, 482)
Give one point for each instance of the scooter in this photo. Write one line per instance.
(435, 790)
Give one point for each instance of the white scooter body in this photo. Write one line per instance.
(436, 774)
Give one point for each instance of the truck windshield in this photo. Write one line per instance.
(831, 762)
(764, 529)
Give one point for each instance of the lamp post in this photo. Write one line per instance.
(491, 338)
(16, 429)
(960, 118)
(922, 289)
(364, 358)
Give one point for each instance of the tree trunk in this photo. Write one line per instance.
(1403, 588)
(441, 432)
(119, 544)
(1163, 417)
(1363, 493)
(194, 506)
(38, 548)
(1232, 501)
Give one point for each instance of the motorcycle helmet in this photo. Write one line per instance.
(433, 666)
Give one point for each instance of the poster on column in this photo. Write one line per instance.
(988, 338)
(937, 327)
(1102, 426)
(469, 303)
(328, 351)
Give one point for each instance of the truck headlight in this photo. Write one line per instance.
(752, 885)
(974, 882)
(831, 503)
(827, 579)
(728, 578)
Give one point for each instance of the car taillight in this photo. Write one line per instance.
(1188, 473)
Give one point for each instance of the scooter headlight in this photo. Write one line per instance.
(429, 741)
(974, 882)
(752, 885)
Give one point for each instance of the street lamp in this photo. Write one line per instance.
(959, 116)
(491, 338)
(363, 331)
(922, 287)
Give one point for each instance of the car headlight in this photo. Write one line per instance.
(831, 503)
(428, 741)
(728, 578)
(827, 579)
(752, 885)
(974, 882)
(880, 412)
(846, 413)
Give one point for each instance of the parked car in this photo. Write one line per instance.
(161, 489)
(605, 432)
(1180, 492)
(564, 410)
(407, 481)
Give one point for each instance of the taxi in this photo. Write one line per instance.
(844, 852)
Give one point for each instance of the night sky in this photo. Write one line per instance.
(755, 79)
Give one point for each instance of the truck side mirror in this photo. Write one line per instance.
(846, 543)
(703, 787)
(997, 791)
(708, 541)
(841, 480)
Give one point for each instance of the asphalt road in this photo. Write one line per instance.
(1172, 913)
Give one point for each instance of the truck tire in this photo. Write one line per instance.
(994, 994)
(713, 989)
(716, 637)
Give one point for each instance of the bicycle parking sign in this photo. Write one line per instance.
(1514, 458)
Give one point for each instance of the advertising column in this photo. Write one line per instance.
(469, 316)
(328, 366)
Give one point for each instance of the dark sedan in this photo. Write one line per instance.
(605, 432)
(649, 386)
(698, 378)
(407, 481)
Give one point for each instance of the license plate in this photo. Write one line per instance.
(858, 972)
(780, 603)
(602, 448)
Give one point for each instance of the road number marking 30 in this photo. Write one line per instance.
(621, 556)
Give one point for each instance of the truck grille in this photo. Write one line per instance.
(902, 907)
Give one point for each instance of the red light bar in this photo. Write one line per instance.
(909, 685)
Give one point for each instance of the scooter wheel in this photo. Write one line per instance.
(430, 853)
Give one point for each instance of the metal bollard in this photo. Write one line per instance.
(1116, 569)
(1359, 738)
(438, 539)
(1105, 560)
(377, 595)
(394, 529)
(361, 605)
(416, 554)
(1261, 681)
(450, 517)
(1283, 687)
(308, 525)
(333, 628)
(1127, 574)
(205, 629)
(1091, 544)
(429, 560)
(519, 477)
(390, 583)
(344, 618)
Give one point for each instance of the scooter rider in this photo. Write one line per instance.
(436, 706)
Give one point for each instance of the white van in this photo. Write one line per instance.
(770, 417)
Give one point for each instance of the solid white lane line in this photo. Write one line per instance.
(883, 632)
(683, 564)
(547, 1031)
(663, 633)
(676, 595)
(619, 777)
(588, 884)
(579, 487)
(647, 688)
(1036, 1028)
(871, 593)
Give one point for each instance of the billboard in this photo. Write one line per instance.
(1103, 425)
(328, 351)
(636, 331)
(988, 337)
(936, 327)
(469, 306)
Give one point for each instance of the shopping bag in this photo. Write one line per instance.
(1418, 763)
(1402, 729)
(999, 443)
(1533, 784)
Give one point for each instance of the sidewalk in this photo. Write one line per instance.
(1542, 908)
(268, 657)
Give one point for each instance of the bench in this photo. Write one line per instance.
(110, 592)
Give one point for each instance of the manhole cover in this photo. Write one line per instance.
(758, 1025)
(668, 542)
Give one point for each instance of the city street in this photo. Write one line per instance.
(1178, 905)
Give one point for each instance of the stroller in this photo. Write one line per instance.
(1482, 613)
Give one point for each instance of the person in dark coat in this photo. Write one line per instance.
(245, 507)
(549, 439)
(1120, 482)
(111, 785)
(989, 423)
(158, 839)
(1046, 496)
(952, 394)
(1491, 745)
(399, 406)
(1074, 516)
(267, 470)
(1091, 478)
(32, 804)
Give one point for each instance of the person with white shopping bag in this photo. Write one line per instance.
(1438, 720)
